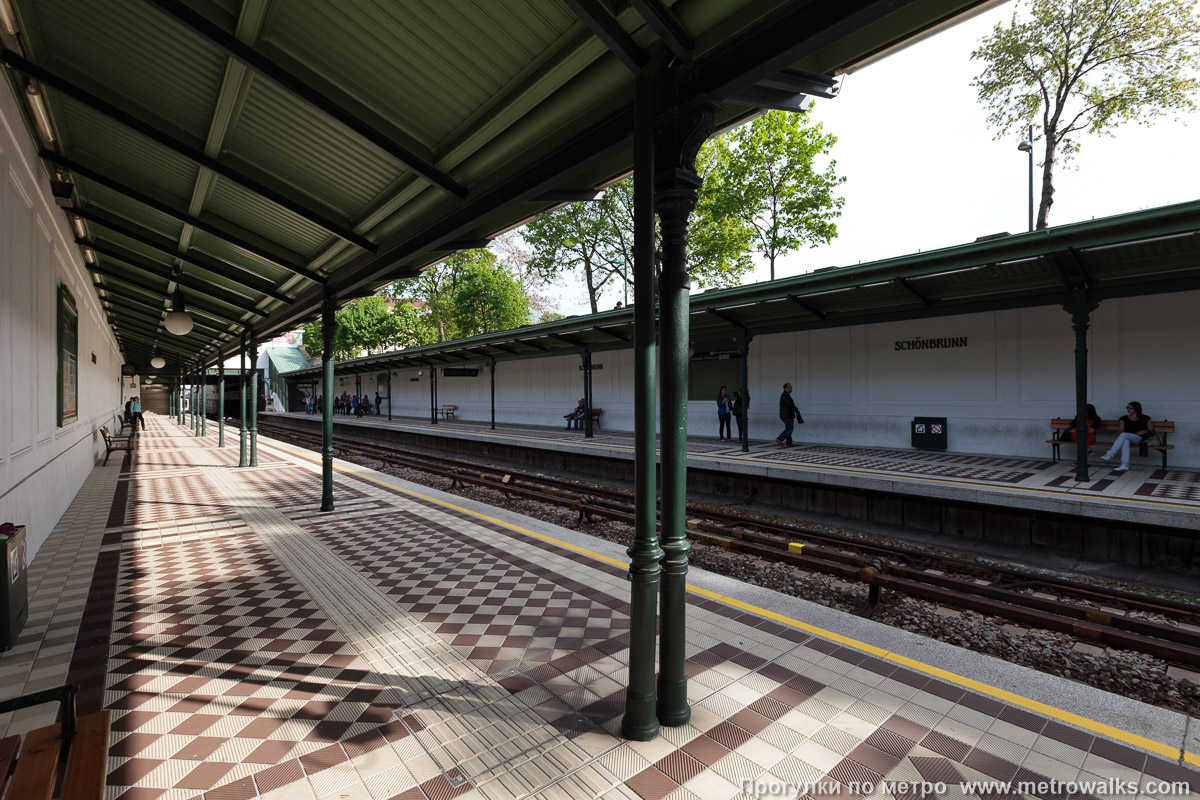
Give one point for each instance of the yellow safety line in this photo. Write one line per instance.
(1134, 739)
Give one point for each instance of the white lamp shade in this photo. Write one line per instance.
(158, 362)
(178, 323)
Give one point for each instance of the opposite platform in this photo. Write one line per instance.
(415, 645)
(1147, 494)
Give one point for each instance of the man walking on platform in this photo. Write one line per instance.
(788, 414)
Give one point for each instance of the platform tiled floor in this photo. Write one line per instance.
(250, 646)
(1172, 490)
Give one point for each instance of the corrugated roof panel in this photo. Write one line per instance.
(287, 359)
(113, 148)
(120, 205)
(220, 249)
(423, 66)
(170, 73)
(307, 150)
(262, 217)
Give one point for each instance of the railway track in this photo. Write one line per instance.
(1100, 615)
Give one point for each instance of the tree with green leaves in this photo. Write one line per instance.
(489, 298)
(584, 238)
(765, 175)
(1086, 66)
(595, 240)
(454, 296)
(364, 324)
(411, 324)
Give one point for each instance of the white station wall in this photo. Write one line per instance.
(42, 465)
(998, 392)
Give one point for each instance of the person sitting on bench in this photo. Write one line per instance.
(1093, 425)
(1137, 429)
(575, 415)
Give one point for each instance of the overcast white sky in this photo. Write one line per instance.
(924, 171)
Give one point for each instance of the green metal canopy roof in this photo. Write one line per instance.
(251, 156)
(1147, 252)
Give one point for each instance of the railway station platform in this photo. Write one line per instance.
(1147, 496)
(415, 645)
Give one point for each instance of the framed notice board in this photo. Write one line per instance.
(68, 357)
(708, 373)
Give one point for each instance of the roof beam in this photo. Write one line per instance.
(131, 306)
(569, 196)
(166, 246)
(618, 336)
(1084, 275)
(197, 157)
(125, 313)
(153, 269)
(595, 16)
(669, 28)
(134, 325)
(906, 284)
(732, 320)
(816, 312)
(192, 304)
(777, 41)
(116, 186)
(567, 339)
(417, 163)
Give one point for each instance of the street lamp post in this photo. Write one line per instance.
(1026, 146)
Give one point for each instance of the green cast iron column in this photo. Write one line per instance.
(676, 184)
(328, 328)
(389, 397)
(253, 404)
(203, 402)
(640, 722)
(745, 354)
(1081, 309)
(195, 393)
(433, 395)
(171, 401)
(492, 373)
(587, 393)
(220, 399)
(242, 462)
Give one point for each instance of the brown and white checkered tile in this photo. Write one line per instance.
(260, 649)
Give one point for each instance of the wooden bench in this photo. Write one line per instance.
(447, 412)
(1061, 435)
(596, 412)
(71, 755)
(126, 443)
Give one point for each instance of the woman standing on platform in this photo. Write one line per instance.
(723, 415)
(741, 404)
(1137, 428)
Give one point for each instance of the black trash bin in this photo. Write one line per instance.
(14, 599)
(929, 433)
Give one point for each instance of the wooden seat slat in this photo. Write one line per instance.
(8, 756)
(87, 763)
(37, 765)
